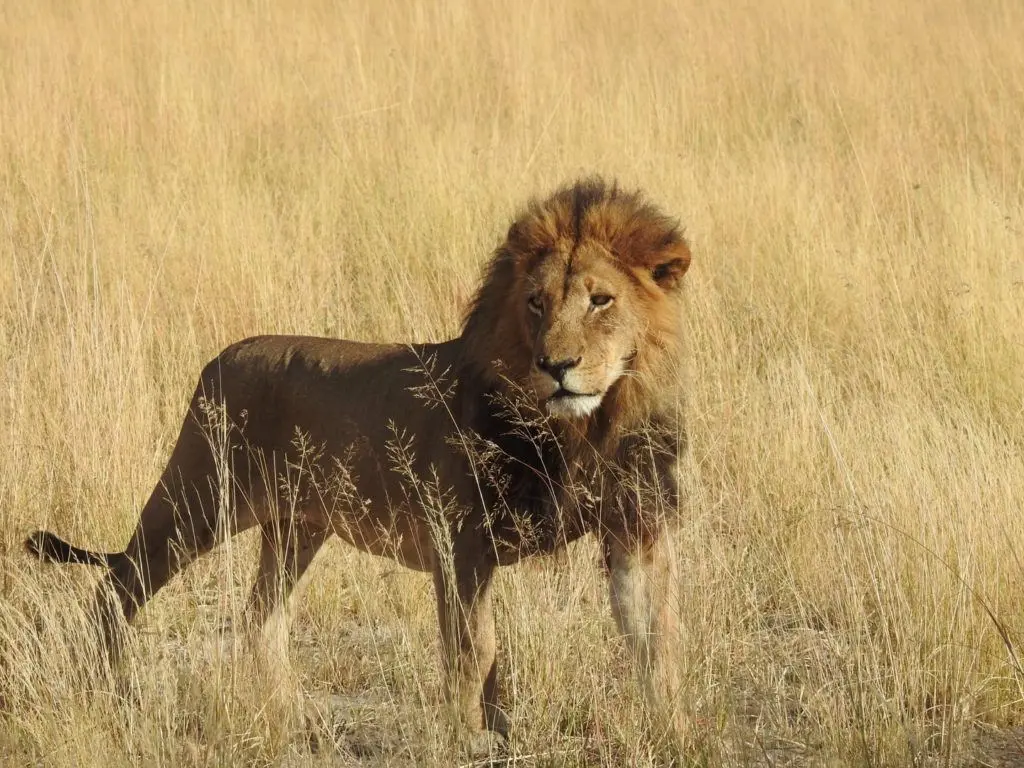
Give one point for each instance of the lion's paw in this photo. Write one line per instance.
(486, 747)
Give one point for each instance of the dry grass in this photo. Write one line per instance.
(174, 176)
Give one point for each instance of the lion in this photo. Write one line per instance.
(553, 415)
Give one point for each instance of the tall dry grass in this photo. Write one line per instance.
(174, 176)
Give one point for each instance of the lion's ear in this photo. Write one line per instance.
(669, 270)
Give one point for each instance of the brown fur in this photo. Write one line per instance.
(456, 457)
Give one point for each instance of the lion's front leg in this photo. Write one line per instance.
(468, 645)
(643, 586)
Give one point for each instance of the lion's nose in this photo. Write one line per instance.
(556, 368)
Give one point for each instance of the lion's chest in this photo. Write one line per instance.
(539, 495)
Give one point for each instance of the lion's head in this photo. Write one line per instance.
(580, 306)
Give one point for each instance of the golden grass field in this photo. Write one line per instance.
(175, 176)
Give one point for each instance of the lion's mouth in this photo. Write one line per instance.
(566, 394)
(565, 403)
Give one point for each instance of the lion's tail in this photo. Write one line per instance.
(53, 549)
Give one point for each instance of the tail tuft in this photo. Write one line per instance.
(52, 549)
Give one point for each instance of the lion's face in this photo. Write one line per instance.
(582, 315)
(582, 299)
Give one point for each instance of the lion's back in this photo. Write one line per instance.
(328, 387)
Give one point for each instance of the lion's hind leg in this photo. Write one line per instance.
(287, 547)
(180, 521)
(195, 505)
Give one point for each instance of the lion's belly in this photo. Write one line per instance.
(392, 536)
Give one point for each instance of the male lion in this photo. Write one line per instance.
(553, 415)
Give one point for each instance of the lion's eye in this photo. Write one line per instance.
(536, 305)
(601, 300)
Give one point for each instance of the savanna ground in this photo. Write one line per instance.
(174, 176)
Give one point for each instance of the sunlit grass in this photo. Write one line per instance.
(174, 176)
